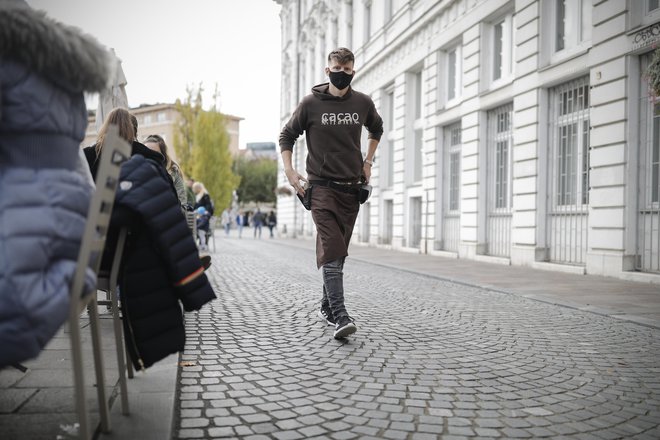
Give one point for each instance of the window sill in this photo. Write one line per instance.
(566, 55)
(497, 85)
(450, 104)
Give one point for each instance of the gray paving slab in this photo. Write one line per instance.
(432, 358)
(39, 403)
(628, 300)
(445, 349)
(151, 404)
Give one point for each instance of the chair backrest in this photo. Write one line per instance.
(115, 152)
(192, 222)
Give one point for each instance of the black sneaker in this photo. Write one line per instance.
(344, 327)
(326, 314)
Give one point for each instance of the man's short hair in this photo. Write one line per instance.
(342, 55)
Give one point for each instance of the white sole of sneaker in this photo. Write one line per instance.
(346, 330)
(320, 315)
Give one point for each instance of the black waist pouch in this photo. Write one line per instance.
(364, 193)
(306, 200)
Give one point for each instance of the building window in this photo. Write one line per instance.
(502, 48)
(367, 21)
(571, 146)
(415, 218)
(652, 5)
(389, 124)
(419, 144)
(500, 134)
(418, 125)
(349, 26)
(146, 120)
(388, 222)
(388, 10)
(333, 32)
(453, 73)
(161, 117)
(453, 136)
(572, 23)
(655, 156)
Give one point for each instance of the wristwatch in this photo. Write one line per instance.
(370, 162)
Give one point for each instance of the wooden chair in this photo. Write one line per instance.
(115, 151)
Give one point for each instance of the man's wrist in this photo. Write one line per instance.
(368, 161)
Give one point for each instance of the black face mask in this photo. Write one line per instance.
(341, 80)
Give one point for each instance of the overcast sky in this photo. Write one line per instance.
(165, 45)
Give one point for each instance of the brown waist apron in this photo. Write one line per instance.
(334, 214)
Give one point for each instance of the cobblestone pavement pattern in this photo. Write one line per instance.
(431, 359)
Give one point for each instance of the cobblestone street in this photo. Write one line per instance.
(431, 359)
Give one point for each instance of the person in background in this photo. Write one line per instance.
(157, 143)
(247, 216)
(127, 125)
(161, 264)
(127, 130)
(239, 223)
(272, 222)
(257, 222)
(202, 197)
(190, 194)
(203, 227)
(225, 220)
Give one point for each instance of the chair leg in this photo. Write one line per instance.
(119, 344)
(79, 379)
(92, 309)
(129, 364)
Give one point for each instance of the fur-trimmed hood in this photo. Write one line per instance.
(54, 50)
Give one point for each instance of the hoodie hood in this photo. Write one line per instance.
(56, 51)
(322, 92)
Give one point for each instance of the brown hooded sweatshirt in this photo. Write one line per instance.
(333, 126)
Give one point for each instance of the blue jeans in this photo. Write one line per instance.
(333, 287)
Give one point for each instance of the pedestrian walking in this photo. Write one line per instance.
(272, 222)
(239, 223)
(225, 220)
(332, 117)
(257, 222)
(246, 219)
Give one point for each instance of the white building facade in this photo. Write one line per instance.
(516, 132)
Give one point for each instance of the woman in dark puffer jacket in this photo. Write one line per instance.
(160, 264)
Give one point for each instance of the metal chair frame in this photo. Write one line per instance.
(115, 151)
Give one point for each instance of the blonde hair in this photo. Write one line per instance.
(123, 120)
(199, 186)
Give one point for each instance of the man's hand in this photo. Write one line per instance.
(366, 169)
(294, 179)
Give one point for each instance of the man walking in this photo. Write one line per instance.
(332, 118)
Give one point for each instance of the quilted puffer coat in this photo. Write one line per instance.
(44, 69)
(160, 264)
